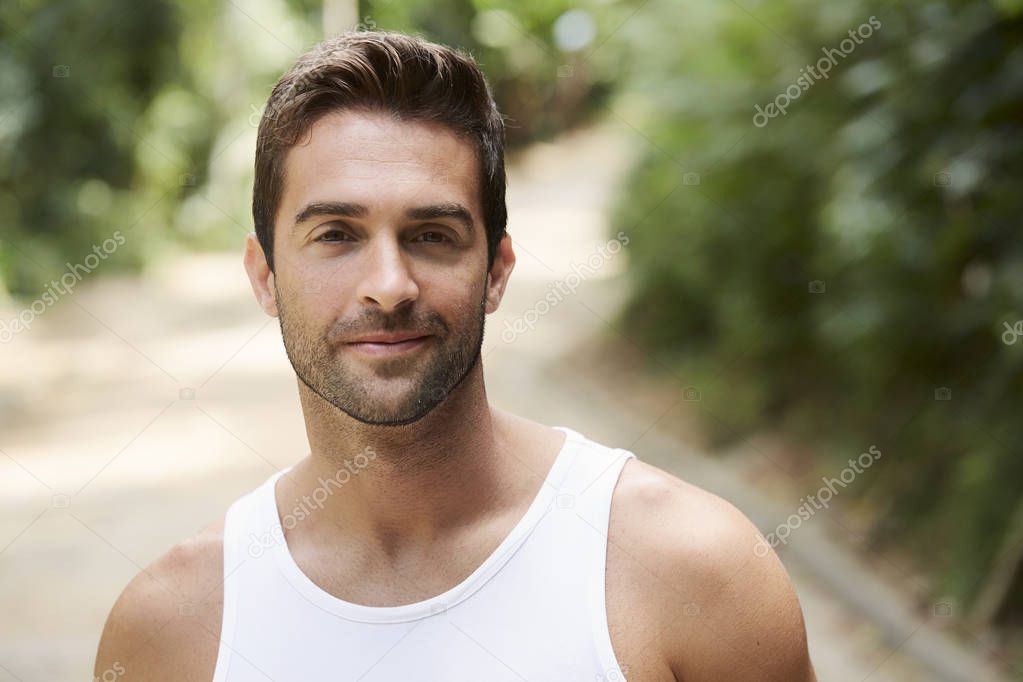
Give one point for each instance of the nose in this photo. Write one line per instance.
(386, 281)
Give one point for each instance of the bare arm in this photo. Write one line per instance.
(748, 625)
(714, 605)
(166, 624)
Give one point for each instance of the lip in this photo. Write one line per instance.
(388, 338)
(402, 344)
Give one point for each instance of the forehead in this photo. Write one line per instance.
(372, 159)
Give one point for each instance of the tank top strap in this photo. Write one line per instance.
(246, 540)
(586, 493)
(589, 484)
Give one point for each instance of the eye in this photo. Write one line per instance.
(442, 237)
(327, 236)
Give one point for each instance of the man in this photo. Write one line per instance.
(430, 535)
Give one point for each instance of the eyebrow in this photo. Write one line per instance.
(452, 210)
(338, 208)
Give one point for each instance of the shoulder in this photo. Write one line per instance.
(719, 601)
(165, 625)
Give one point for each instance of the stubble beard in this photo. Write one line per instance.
(331, 370)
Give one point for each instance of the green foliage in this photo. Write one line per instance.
(128, 117)
(100, 132)
(837, 265)
(542, 86)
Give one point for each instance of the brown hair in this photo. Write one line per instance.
(404, 75)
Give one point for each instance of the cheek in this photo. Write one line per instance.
(466, 310)
(312, 303)
(320, 279)
(317, 280)
(451, 293)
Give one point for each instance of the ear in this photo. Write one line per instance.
(260, 276)
(500, 272)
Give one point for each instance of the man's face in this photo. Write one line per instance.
(380, 231)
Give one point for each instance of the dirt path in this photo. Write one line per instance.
(134, 413)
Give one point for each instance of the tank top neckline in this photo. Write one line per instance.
(490, 566)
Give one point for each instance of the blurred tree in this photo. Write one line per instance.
(99, 131)
(111, 114)
(535, 54)
(846, 269)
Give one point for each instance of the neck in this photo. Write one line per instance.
(398, 488)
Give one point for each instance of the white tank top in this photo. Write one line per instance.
(533, 610)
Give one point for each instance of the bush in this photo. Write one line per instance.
(839, 269)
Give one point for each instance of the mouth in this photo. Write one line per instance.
(387, 345)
